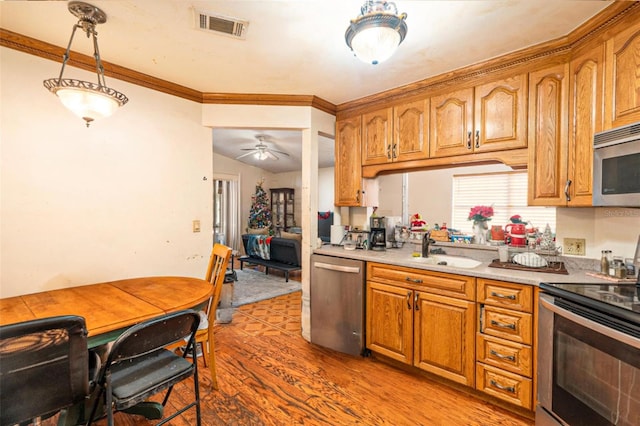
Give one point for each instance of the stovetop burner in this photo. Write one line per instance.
(622, 299)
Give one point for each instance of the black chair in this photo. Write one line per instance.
(43, 368)
(139, 366)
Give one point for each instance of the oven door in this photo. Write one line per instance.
(616, 175)
(588, 373)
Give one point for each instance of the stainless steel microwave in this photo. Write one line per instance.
(616, 167)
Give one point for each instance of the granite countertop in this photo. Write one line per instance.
(577, 268)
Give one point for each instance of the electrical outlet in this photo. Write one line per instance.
(196, 225)
(574, 246)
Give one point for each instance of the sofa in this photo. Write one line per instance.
(284, 254)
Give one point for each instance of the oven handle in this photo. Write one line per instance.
(591, 325)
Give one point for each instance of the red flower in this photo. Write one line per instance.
(481, 213)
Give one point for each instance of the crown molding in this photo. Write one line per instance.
(51, 52)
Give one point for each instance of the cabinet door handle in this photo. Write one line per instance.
(358, 196)
(507, 357)
(415, 301)
(468, 140)
(509, 389)
(409, 300)
(395, 154)
(477, 138)
(566, 190)
(388, 152)
(503, 325)
(503, 296)
(414, 280)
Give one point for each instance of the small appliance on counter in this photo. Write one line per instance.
(377, 235)
(356, 239)
(338, 234)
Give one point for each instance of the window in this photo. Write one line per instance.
(505, 191)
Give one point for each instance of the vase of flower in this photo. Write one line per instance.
(480, 229)
(480, 215)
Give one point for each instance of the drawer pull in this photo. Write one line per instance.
(503, 296)
(503, 325)
(414, 280)
(509, 389)
(507, 357)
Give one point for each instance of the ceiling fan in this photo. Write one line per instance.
(261, 151)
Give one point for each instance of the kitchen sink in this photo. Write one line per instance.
(444, 260)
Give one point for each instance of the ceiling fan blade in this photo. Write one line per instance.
(279, 152)
(271, 155)
(247, 154)
(248, 149)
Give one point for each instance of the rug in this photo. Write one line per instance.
(253, 286)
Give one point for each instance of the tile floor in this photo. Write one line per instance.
(271, 317)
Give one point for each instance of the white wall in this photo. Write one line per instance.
(116, 200)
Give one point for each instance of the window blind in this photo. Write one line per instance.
(505, 191)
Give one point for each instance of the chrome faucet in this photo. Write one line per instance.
(426, 241)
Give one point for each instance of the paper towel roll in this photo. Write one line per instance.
(337, 234)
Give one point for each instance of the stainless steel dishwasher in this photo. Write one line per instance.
(337, 303)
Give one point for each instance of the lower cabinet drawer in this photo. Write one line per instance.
(500, 353)
(501, 384)
(507, 324)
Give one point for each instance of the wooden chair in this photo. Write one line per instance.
(218, 262)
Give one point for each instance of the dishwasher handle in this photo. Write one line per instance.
(339, 268)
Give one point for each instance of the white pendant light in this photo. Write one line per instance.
(376, 34)
(89, 101)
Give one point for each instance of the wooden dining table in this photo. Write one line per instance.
(109, 308)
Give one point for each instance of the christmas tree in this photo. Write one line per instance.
(260, 213)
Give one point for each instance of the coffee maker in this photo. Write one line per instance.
(377, 233)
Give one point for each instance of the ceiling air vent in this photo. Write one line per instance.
(224, 25)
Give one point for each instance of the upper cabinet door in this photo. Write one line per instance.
(411, 131)
(547, 168)
(377, 134)
(585, 119)
(623, 78)
(501, 115)
(451, 124)
(348, 170)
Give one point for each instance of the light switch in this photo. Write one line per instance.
(196, 225)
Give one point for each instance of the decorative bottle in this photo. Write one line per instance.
(604, 263)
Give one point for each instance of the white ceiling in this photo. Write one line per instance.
(297, 46)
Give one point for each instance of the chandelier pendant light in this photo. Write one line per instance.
(376, 34)
(89, 101)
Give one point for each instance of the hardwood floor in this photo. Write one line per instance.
(269, 375)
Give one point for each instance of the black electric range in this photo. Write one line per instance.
(620, 300)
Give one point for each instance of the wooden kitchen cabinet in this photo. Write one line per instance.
(489, 117)
(444, 336)
(622, 80)
(422, 318)
(377, 137)
(396, 134)
(565, 112)
(351, 190)
(390, 321)
(411, 131)
(505, 341)
(586, 76)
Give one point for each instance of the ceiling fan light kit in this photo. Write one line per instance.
(376, 34)
(261, 151)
